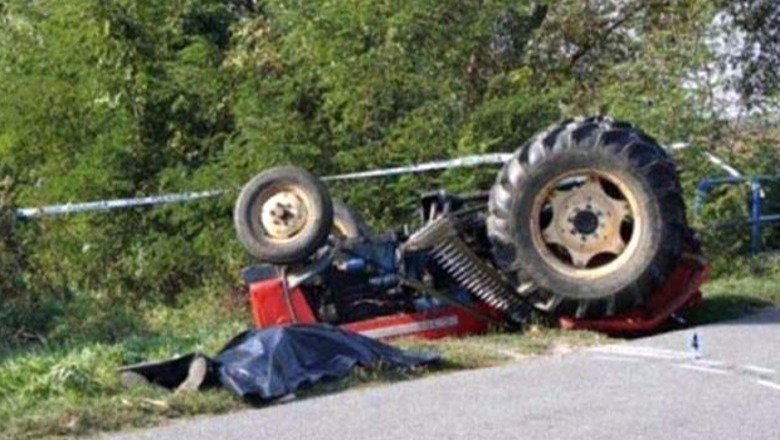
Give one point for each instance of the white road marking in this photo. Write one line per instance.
(702, 369)
(634, 353)
(708, 363)
(757, 369)
(615, 359)
(769, 384)
(645, 352)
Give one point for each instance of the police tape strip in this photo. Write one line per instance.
(108, 205)
(461, 162)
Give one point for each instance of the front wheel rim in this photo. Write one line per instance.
(284, 212)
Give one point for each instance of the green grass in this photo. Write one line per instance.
(71, 387)
(732, 297)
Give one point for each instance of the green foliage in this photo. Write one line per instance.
(114, 99)
(121, 98)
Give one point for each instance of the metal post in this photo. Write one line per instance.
(755, 215)
(702, 190)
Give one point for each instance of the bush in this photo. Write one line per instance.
(25, 310)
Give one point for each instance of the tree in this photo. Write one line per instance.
(755, 52)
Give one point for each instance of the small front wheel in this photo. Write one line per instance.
(283, 215)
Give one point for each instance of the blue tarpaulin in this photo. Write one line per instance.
(274, 362)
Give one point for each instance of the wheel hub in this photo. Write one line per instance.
(585, 222)
(283, 215)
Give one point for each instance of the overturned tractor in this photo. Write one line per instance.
(585, 224)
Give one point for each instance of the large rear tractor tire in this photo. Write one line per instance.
(283, 215)
(587, 218)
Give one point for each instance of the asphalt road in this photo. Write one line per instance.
(651, 388)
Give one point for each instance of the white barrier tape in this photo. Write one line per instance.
(461, 162)
(715, 160)
(107, 205)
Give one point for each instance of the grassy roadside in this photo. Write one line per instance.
(73, 389)
(729, 298)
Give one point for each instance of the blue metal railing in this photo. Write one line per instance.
(757, 195)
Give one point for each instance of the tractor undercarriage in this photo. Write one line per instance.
(585, 227)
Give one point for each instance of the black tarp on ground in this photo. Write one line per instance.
(274, 362)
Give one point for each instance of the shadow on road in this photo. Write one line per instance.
(370, 377)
